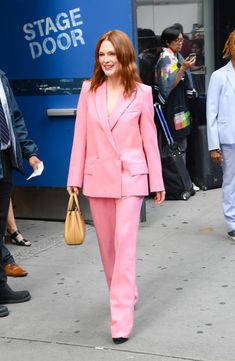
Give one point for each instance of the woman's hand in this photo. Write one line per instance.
(188, 62)
(72, 189)
(159, 197)
(216, 156)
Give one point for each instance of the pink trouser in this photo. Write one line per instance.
(116, 222)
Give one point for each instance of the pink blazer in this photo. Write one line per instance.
(115, 156)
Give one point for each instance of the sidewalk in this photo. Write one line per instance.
(185, 276)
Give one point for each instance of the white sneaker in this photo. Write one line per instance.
(195, 188)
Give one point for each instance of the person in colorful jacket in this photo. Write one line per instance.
(174, 85)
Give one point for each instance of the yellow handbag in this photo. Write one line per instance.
(74, 227)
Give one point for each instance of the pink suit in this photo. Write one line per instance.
(113, 158)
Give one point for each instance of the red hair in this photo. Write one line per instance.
(226, 49)
(126, 57)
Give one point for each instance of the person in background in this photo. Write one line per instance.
(114, 153)
(197, 47)
(186, 45)
(149, 49)
(174, 86)
(14, 145)
(221, 128)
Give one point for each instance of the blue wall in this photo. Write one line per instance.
(47, 50)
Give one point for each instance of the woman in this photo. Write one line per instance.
(197, 47)
(221, 128)
(114, 152)
(174, 85)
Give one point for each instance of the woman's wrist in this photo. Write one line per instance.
(182, 69)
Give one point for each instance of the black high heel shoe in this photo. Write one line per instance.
(14, 240)
(119, 340)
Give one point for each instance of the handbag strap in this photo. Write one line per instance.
(73, 199)
(163, 122)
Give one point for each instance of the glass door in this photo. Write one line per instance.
(195, 18)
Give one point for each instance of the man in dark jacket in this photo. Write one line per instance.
(149, 48)
(14, 146)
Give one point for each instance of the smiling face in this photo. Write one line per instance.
(108, 59)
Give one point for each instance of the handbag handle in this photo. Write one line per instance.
(163, 122)
(73, 199)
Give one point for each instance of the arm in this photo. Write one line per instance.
(78, 154)
(164, 74)
(187, 63)
(28, 147)
(212, 109)
(149, 139)
(216, 156)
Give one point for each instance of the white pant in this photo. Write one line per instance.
(228, 187)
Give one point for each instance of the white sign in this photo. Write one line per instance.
(62, 32)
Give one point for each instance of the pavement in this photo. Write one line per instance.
(185, 277)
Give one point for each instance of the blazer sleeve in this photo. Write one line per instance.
(166, 71)
(149, 138)
(28, 147)
(78, 154)
(212, 109)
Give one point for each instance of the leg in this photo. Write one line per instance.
(5, 191)
(182, 143)
(6, 255)
(228, 186)
(11, 224)
(11, 268)
(103, 213)
(123, 286)
(14, 234)
(7, 295)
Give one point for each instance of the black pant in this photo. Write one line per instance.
(5, 194)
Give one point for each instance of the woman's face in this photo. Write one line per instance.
(232, 47)
(176, 45)
(195, 49)
(108, 59)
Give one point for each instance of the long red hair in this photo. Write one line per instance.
(226, 50)
(126, 56)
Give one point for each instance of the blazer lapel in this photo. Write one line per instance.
(231, 74)
(119, 109)
(101, 108)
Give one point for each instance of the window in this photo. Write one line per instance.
(196, 18)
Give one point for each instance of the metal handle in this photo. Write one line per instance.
(69, 112)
